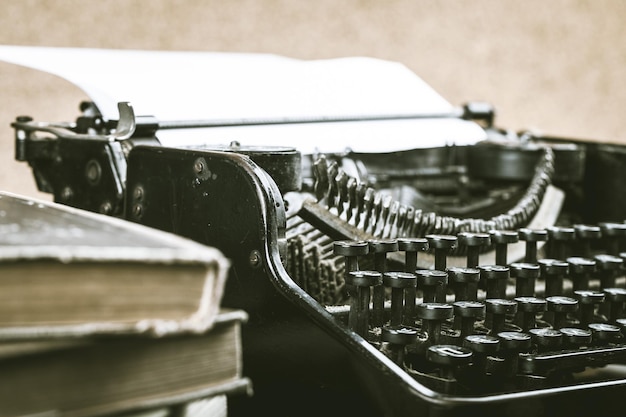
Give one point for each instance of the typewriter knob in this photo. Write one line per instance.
(615, 297)
(465, 315)
(398, 337)
(449, 358)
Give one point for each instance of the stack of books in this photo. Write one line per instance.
(101, 316)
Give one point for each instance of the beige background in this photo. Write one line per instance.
(556, 66)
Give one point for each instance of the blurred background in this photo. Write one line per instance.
(556, 67)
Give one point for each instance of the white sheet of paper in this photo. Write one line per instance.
(177, 85)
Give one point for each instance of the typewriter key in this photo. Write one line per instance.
(501, 239)
(473, 243)
(580, 271)
(531, 237)
(585, 236)
(465, 315)
(607, 269)
(553, 272)
(559, 307)
(614, 299)
(558, 241)
(527, 310)
(432, 316)
(511, 345)
(398, 337)
(411, 246)
(362, 281)
(433, 284)
(465, 282)
(442, 245)
(613, 235)
(546, 339)
(525, 275)
(497, 309)
(575, 338)
(603, 334)
(588, 301)
(495, 278)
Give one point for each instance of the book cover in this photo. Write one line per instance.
(65, 271)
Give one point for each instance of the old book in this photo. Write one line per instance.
(65, 271)
(123, 373)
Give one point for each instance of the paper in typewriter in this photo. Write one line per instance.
(232, 87)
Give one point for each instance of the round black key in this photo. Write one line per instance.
(588, 300)
(473, 242)
(525, 275)
(560, 306)
(433, 284)
(432, 315)
(465, 315)
(607, 269)
(511, 344)
(442, 245)
(350, 247)
(501, 239)
(585, 234)
(558, 240)
(398, 337)
(614, 299)
(496, 311)
(365, 278)
(553, 271)
(527, 309)
(574, 337)
(494, 277)
(603, 333)
(482, 344)
(531, 237)
(546, 339)
(399, 279)
(613, 234)
(411, 247)
(581, 271)
(449, 355)
(434, 311)
(515, 341)
(464, 281)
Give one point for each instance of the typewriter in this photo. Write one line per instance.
(430, 281)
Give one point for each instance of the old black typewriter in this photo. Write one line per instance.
(430, 281)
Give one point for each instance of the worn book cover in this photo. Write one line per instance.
(94, 376)
(65, 271)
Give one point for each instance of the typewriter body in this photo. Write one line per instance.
(431, 281)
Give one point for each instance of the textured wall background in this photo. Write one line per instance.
(555, 66)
